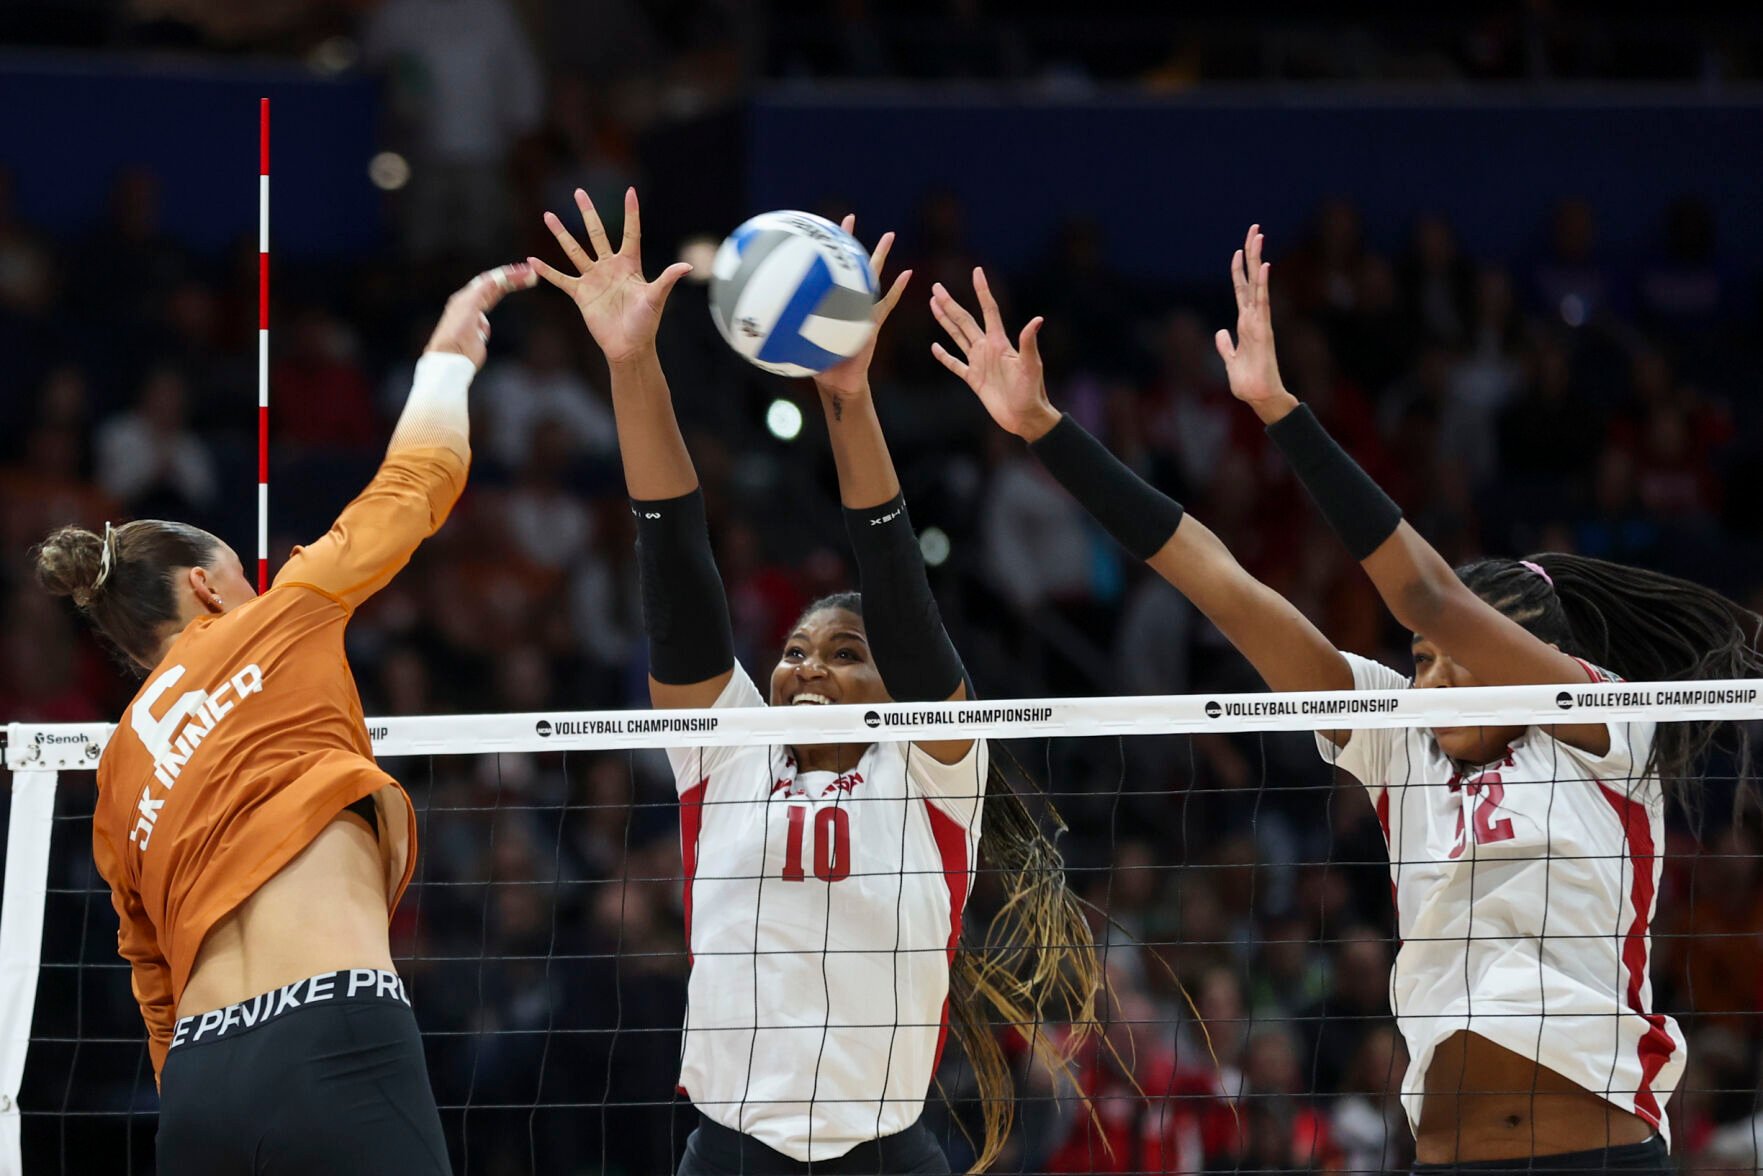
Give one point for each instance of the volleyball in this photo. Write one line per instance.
(792, 293)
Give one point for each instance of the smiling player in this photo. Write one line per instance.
(825, 885)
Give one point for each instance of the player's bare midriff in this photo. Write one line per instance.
(323, 911)
(1484, 1102)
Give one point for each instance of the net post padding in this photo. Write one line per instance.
(21, 943)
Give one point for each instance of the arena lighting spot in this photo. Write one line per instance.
(389, 171)
(784, 420)
(333, 56)
(1573, 310)
(933, 542)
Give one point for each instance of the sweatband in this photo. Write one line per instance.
(912, 651)
(685, 612)
(435, 413)
(1139, 516)
(1355, 506)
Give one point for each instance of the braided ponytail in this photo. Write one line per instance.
(1645, 626)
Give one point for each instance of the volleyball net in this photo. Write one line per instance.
(1238, 889)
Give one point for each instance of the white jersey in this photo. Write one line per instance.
(822, 912)
(1524, 892)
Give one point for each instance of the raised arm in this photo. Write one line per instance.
(913, 654)
(685, 612)
(426, 461)
(1284, 647)
(1418, 586)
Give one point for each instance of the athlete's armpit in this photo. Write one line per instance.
(375, 536)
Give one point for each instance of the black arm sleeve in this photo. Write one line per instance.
(912, 651)
(1139, 516)
(685, 612)
(1354, 505)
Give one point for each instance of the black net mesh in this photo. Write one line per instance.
(1239, 895)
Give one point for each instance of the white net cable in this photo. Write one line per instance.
(1240, 897)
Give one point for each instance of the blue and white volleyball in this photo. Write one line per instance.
(792, 293)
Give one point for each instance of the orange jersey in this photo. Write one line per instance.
(248, 739)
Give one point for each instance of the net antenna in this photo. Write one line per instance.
(263, 345)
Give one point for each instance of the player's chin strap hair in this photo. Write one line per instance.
(685, 612)
(1354, 505)
(913, 654)
(1139, 516)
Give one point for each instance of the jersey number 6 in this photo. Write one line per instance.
(832, 844)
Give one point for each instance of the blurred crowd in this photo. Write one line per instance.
(1596, 395)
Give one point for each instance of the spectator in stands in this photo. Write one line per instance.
(544, 391)
(151, 459)
(465, 85)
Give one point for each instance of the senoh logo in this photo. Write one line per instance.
(543, 727)
(1213, 709)
(1564, 700)
(872, 718)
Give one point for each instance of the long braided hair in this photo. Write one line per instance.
(1645, 626)
(1034, 963)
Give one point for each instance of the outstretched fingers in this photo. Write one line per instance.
(988, 305)
(892, 298)
(949, 361)
(954, 319)
(1027, 344)
(596, 230)
(572, 248)
(1226, 349)
(633, 226)
(663, 285)
(555, 277)
(1239, 282)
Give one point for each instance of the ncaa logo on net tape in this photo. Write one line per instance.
(543, 728)
(1214, 708)
(1564, 700)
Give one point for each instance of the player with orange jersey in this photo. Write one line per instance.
(253, 848)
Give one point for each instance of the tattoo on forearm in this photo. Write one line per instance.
(838, 408)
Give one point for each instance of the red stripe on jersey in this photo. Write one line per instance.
(1589, 671)
(1383, 822)
(691, 820)
(1655, 1045)
(951, 841)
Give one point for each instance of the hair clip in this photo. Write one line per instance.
(104, 560)
(1538, 569)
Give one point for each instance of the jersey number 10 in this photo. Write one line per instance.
(832, 844)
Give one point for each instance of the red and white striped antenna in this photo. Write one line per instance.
(263, 346)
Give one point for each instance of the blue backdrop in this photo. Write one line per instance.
(71, 124)
(1174, 181)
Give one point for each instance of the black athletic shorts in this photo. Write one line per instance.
(715, 1150)
(322, 1076)
(1648, 1156)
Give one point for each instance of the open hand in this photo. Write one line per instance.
(621, 309)
(1008, 380)
(464, 328)
(851, 377)
(1251, 364)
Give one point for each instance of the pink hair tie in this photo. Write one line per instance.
(1538, 569)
